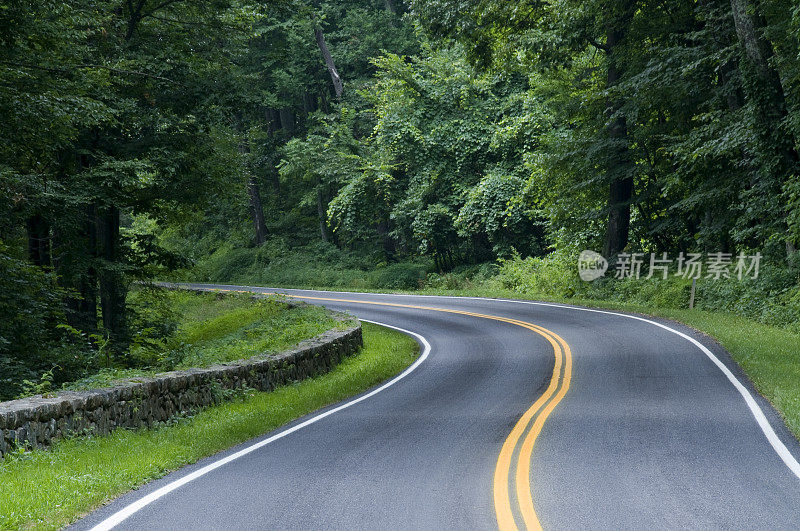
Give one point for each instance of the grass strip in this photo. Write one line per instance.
(209, 329)
(48, 489)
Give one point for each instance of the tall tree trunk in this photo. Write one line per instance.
(273, 120)
(326, 55)
(620, 188)
(287, 119)
(323, 103)
(389, 4)
(763, 82)
(75, 260)
(256, 209)
(735, 98)
(84, 307)
(619, 215)
(386, 239)
(309, 102)
(273, 177)
(38, 240)
(273, 124)
(253, 190)
(88, 283)
(254, 193)
(113, 290)
(79, 277)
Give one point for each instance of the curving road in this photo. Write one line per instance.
(518, 414)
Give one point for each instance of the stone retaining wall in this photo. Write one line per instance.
(37, 421)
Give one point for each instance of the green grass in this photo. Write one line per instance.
(216, 329)
(280, 262)
(47, 489)
(211, 329)
(266, 326)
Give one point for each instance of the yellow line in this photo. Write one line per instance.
(502, 497)
(523, 477)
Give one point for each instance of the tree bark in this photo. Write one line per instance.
(134, 17)
(620, 188)
(113, 290)
(75, 259)
(88, 284)
(309, 102)
(273, 120)
(329, 64)
(390, 7)
(257, 210)
(619, 216)
(38, 240)
(386, 238)
(287, 120)
(323, 104)
(79, 277)
(763, 81)
(253, 189)
(254, 193)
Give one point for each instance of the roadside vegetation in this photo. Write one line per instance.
(182, 329)
(773, 298)
(47, 489)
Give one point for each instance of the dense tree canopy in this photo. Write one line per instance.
(141, 136)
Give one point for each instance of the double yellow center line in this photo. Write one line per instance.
(529, 425)
(534, 417)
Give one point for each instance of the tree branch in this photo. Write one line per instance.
(86, 66)
(326, 55)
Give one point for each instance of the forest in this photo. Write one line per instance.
(383, 144)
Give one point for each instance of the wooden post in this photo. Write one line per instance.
(691, 296)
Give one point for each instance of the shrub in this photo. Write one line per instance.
(154, 319)
(554, 275)
(228, 263)
(672, 292)
(402, 275)
(33, 340)
(772, 298)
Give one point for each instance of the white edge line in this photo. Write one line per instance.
(772, 437)
(780, 448)
(121, 515)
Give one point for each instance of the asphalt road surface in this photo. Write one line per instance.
(516, 415)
